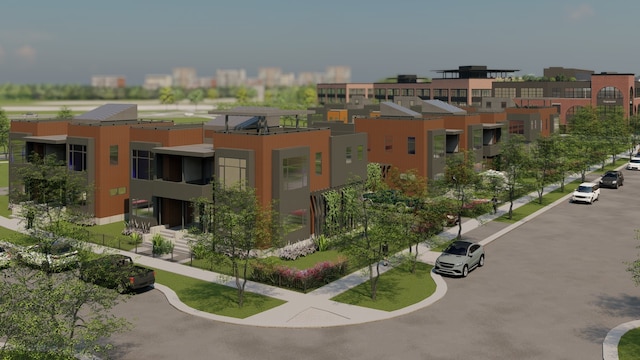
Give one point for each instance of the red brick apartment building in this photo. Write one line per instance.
(151, 171)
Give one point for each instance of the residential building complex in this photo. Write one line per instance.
(151, 171)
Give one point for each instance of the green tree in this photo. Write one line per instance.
(514, 160)
(616, 133)
(195, 97)
(585, 140)
(242, 95)
(236, 225)
(461, 179)
(544, 164)
(167, 96)
(5, 125)
(212, 93)
(64, 113)
(54, 198)
(58, 313)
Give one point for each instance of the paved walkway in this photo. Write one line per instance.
(315, 309)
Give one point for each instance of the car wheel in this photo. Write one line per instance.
(465, 271)
(616, 186)
(481, 262)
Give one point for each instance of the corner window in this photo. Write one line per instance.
(77, 157)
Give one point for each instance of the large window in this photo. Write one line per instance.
(505, 92)
(77, 157)
(609, 92)
(360, 152)
(411, 145)
(141, 164)
(348, 155)
(113, 154)
(531, 92)
(232, 170)
(439, 145)
(18, 151)
(294, 173)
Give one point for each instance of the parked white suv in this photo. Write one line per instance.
(634, 163)
(587, 192)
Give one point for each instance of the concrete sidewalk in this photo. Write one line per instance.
(315, 309)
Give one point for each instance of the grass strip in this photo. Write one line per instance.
(215, 298)
(397, 289)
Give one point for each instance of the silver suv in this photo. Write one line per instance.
(459, 258)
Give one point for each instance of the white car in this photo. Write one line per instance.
(634, 163)
(57, 256)
(587, 192)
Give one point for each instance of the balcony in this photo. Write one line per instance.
(490, 150)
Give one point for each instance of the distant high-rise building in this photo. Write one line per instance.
(310, 78)
(184, 77)
(157, 81)
(338, 74)
(233, 77)
(108, 81)
(270, 76)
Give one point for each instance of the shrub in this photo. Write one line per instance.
(283, 276)
(296, 250)
(322, 243)
(161, 245)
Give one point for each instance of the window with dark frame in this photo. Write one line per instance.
(113, 155)
(411, 145)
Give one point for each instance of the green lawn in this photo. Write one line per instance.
(397, 289)
(111, 235)
(214, 298)
(629, 345)
(4, 174)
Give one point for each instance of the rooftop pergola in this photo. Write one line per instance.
(260, 112)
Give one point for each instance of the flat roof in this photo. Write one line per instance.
(492, 126)
(261, 111)
(49, 139)
(194, 150)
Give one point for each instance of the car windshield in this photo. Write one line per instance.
(610, 176)
(635, 161)
(584, 189)
(456, 249)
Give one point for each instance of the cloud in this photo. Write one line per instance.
(580, 12)
(27, 53)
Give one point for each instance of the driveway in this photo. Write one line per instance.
(551, 289)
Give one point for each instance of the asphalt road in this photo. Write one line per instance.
(551, 289)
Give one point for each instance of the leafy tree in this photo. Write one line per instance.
(54, 199)
(64, 113)
(5, 124)
(167, 96)
(615, 132)
(242, 95)
(584, 132)
(178, 95)
(59, 313)
(544, 166)
(514, 160)
(196, 97)
(461, 179)
(212, 93)
(368, 229)
(374, 180)
(236, 224)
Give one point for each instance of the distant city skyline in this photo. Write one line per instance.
(47, 42)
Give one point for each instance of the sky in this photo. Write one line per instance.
(68, 41)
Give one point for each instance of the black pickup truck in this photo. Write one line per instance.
(117, 272)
